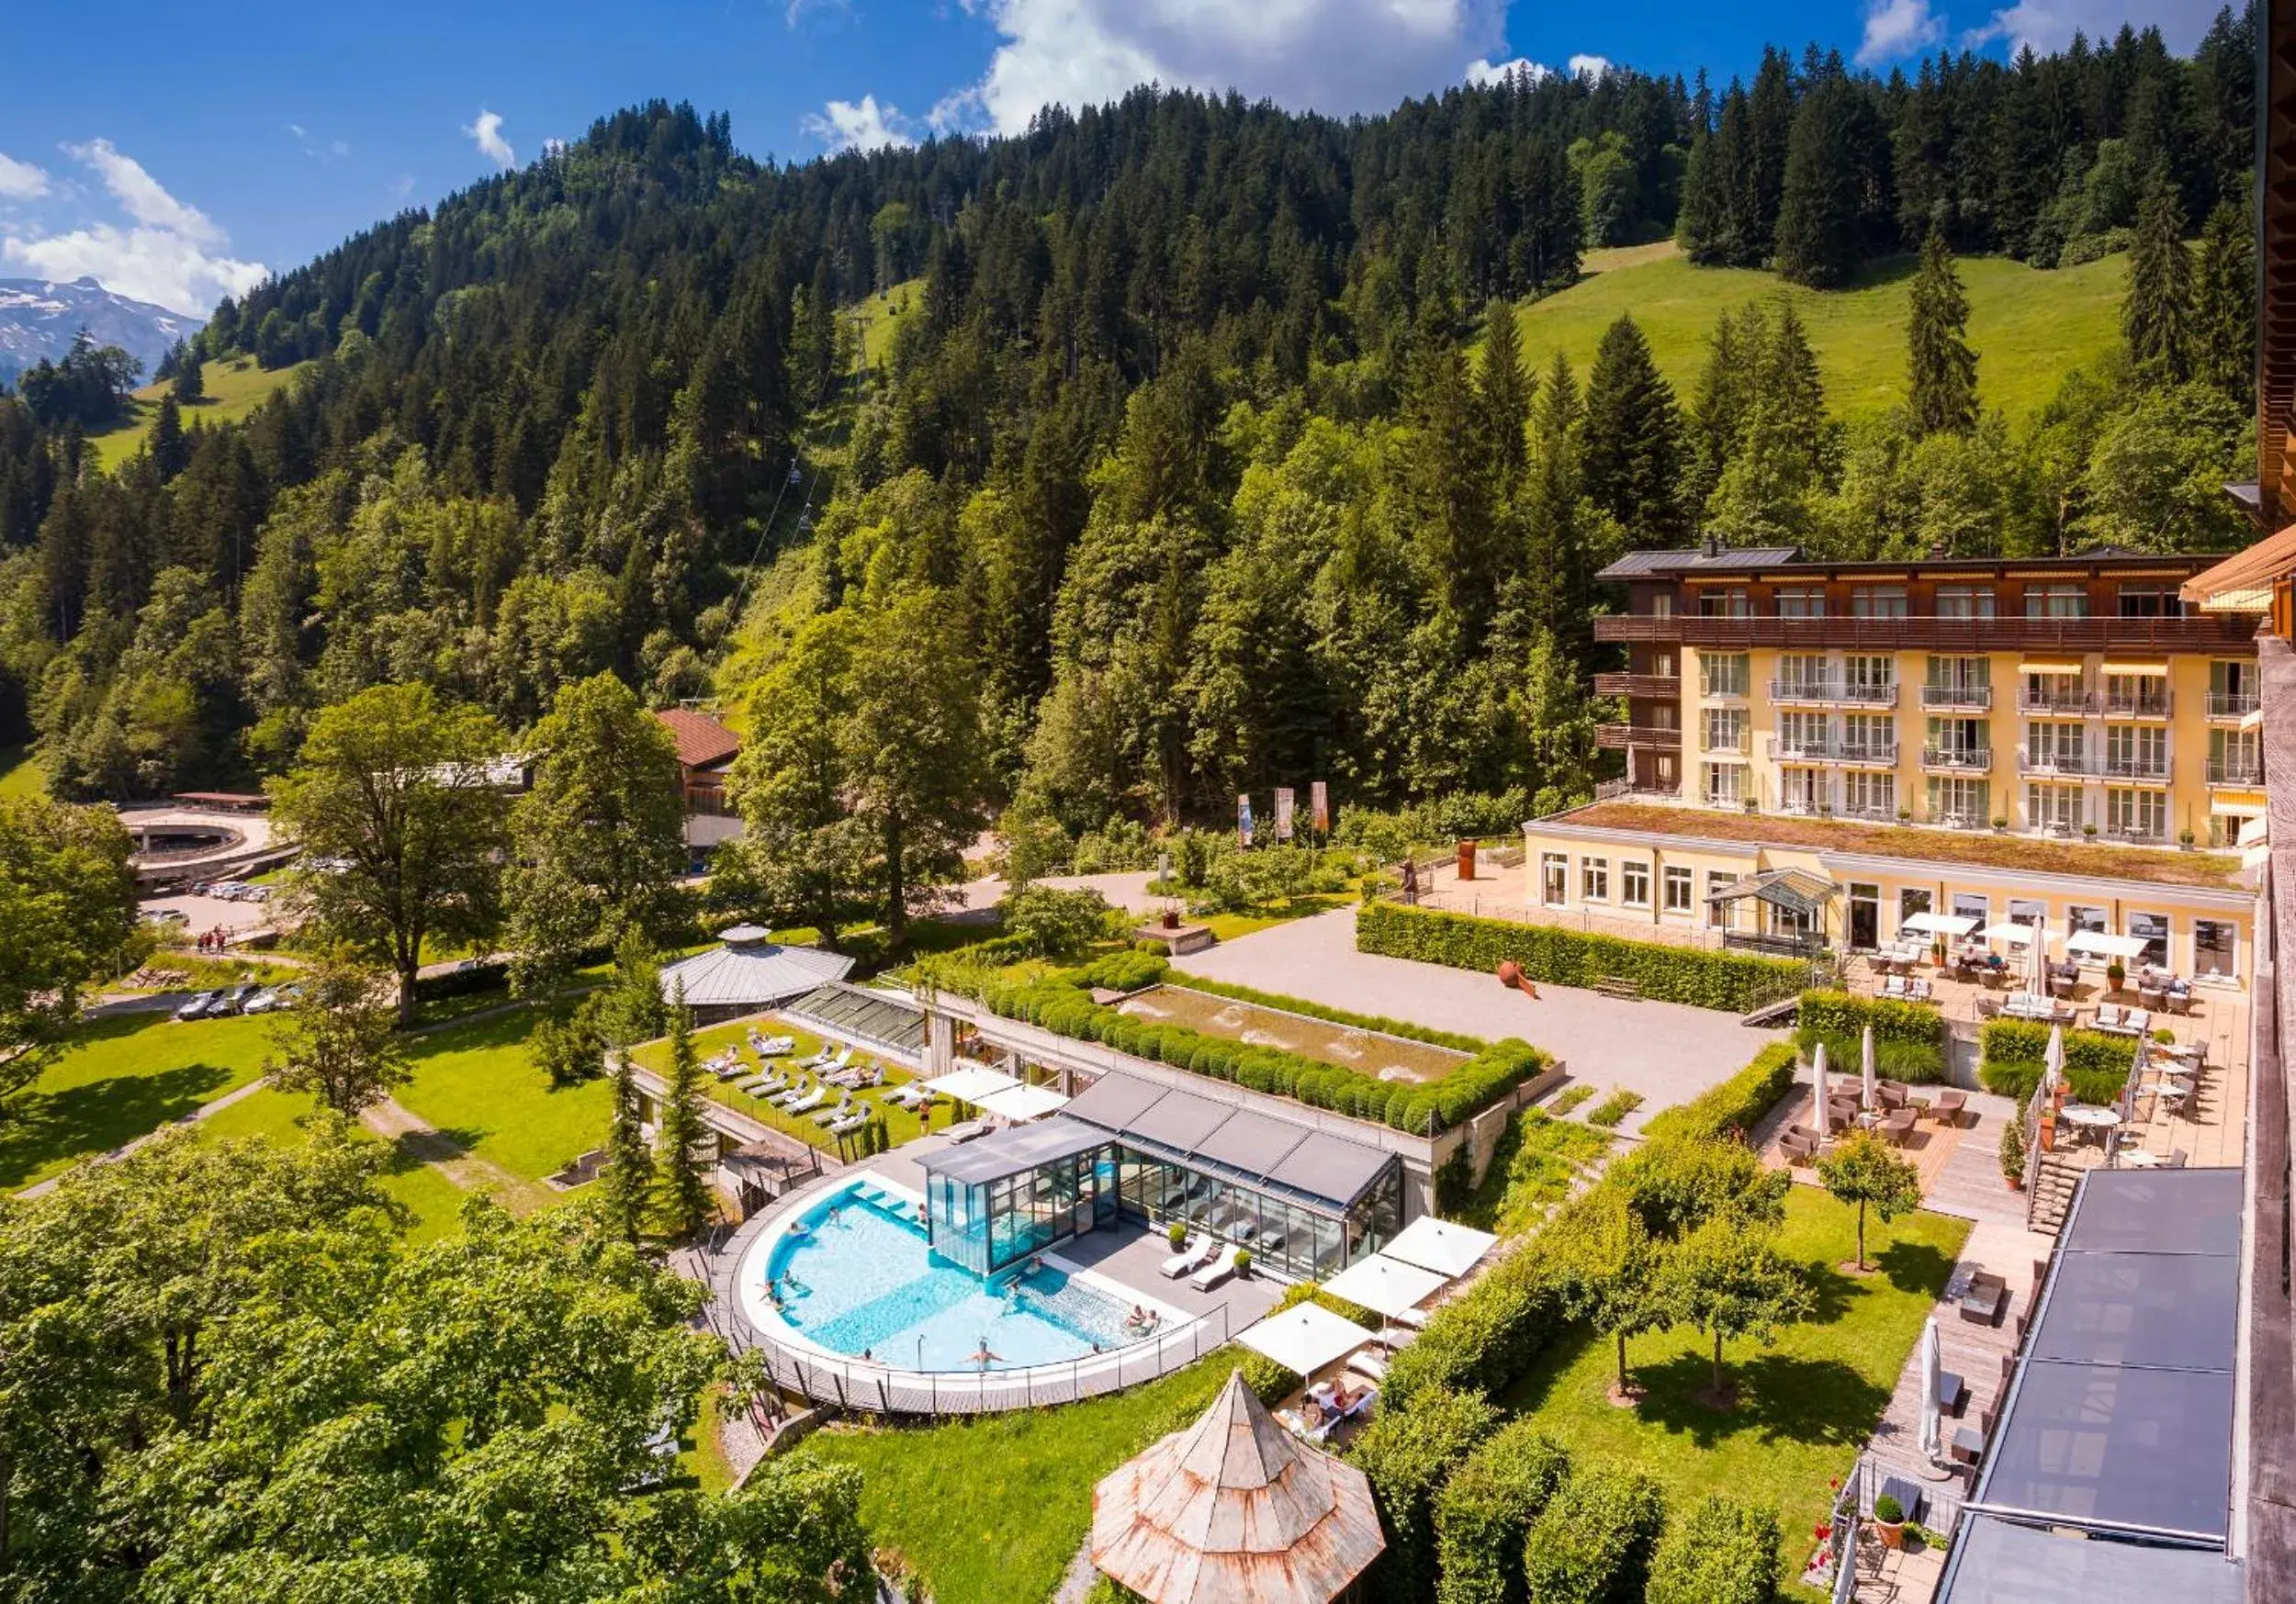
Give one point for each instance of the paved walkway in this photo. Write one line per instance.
(42, 1188)
(1666, 1052)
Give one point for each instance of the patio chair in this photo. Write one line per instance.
(1893, 1094)
(2108, 1016)
(1217, 1272)
(1800, 1151)
(1190, 1259)
(1946, 1107)
(808, 1103)
(2137, 1020)
(1898, 1127)
(2176, 1159)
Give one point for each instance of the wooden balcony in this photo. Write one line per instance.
(1618, 737)
(1658, 686)
(2224, 633)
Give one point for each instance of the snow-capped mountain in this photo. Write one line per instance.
(39, 318)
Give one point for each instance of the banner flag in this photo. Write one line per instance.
(1243, 821)
(1283, 812)
(1320, 807)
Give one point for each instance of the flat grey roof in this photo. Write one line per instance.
(2000, 1562)
(2163, 1211)
(1250, 1143)
(1015, 1150)
(2174, 1310)
(870, 1015)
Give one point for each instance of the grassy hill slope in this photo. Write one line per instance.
(2029, 327)
(236, 386)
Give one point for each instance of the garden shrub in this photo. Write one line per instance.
(1455, 1181)
(1909, 1037)
(1593, 1544)
(1487, 1337)
(1408, 1454)
(1485, 1510)
(1732, 981)
(1123, 972)
(2010, 1052)
(1723, 1552)
(1738, 1103)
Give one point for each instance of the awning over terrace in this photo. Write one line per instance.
(1187, 1127)
(1304, 1338)
(2103, 945)
(971, 1083)
(1020, 1104)
(1929, 924)
(1797, 890)
(1386, 1285)
(1440, 1245)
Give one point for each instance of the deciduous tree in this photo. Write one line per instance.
(67, 911)
(1728, 1279)
(339, 1041)
(1862, 1171)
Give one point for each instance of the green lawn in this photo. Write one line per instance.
(1537, 1157)
(990, 1511)
(900, 1124)
(123, 1075)
(20, 773)
(271, 1117)
(1807, 1405)
(475, 1082)
(878, 318)
(2027, 326)
(235, 387)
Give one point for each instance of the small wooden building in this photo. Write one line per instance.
(1235, 1511)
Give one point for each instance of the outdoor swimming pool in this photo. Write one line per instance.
(859, 1279)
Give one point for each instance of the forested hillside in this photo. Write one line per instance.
(1200, 464)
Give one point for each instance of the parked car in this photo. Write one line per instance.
(233, 1001)
(271, 999)
(164, 916)
(196, 1007)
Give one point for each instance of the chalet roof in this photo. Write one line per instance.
(1234, 1509)
(703, 742)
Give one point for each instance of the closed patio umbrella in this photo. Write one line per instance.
(2052, 1064)
(1932, 1394)
(2037, 967)
(1817, 1084)
(1865, 1059)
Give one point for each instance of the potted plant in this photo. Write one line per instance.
(1889, 1520)
(1751, 805)
(2185, 839)
(2013, 1154)
(1243, 1263)
(2089, 831)
(2001, 826)
(1176, 1234)
(1905, 815)
(2114, 974)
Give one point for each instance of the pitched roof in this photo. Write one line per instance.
(1233, 1509)
(2242, 582)
(702, 740)
(751, 974)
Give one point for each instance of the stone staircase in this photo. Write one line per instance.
(2049, 1193)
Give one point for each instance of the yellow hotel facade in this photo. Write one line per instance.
(2058, 740)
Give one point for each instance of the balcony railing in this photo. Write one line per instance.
(2244, 769)
(1618, 738)
(2150, 766)
(2043, 764)
(2074, 702)
(1665, 687)
(1979, 696)
(1882, 752)
(1967, 759)
(2136, 834)
(2152, 703)
(1885, 815)
(2229, 634)
(1833, 691)
(2232, 704)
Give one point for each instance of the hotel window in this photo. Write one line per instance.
(2150, 600)
(1662, 604)
(2053, 807)
(2139, 815)
(1959, 682)
(1878, 602)
(1965, 741)
(2078, 919)
(1729, 603)
(1870, 795)
(1717, 913)
(2056, 602)
(1973, 905)
(1803, 790)
(1957, 802)
(2055, 748)
(1722, 674)
(1870, 673)
(1871, 736)
(1725, 729)
(1810, 734)
(1964, 601)
(2224, 829)
(1594, 879)
(2136, 751)
(1554, 878)
(1723, 784)
(2234, 758)
(2152, 930)
(1802, 674)
(1802, 601)
(2232, 689)
(1911, 901)
(2026, 910)
(2216, 948)
(1678, 883)
(1634, 884)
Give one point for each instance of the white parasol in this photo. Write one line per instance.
(1932, 1394)
(1865, 1064)
(1817, 1084)
(2053, 1064)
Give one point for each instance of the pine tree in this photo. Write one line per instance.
(1725, 396)
(1767, 492)
(1562, 578)
(683, 1131)
(2223, 324)
(1504, 391)
(1770, 133)
(629, 1174)
(1836, 174)
(1942, 368)
(171, 450)
(191, 384)
(1448, 476)
(2154, 318)
(1631, 450)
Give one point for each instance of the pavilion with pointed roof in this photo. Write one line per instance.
(1236, 1509)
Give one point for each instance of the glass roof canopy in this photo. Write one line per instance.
(857, 1012)
(1323, 1171)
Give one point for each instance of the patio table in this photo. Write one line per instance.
(1982, 1298)
(2092, 1121)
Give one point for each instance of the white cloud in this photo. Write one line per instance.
(21, 180)
(844, 124)
(1482, 70)
(141, 197)
(796, 11)
(1897, 29)
(487, 134)
(1594, 66)
(958, 112)
(2049, 25)
(1337, 56)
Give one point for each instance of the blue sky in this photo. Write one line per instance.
(176, 156)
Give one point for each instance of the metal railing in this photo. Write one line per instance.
(1975, 760)
(2060, 701)
(883, 1389)
(2055, 763)
(1979, 696)
(1833, 691)
(2153, 704)
(2232, 704)
(2247, 769)
(2143, 765)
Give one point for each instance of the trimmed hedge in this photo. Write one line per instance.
(486, 975)
(1909, 1037)
(1485, 1510)
(1061, 1003)
(1738, 1103)
(1732, 981)
(1723, 1552)
(1408, 1458)
(2011, 1050)
(1486, 1339)
(1592, 1544)
(1403, 1028)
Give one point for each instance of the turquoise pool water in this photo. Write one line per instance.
(861, 1280)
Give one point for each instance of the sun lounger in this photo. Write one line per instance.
(1190, 1259)
(1218, 1270)
(1368, 1364)
(1416, 1319)
(849, 1122)
(829, 1115)
(806, 1103)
